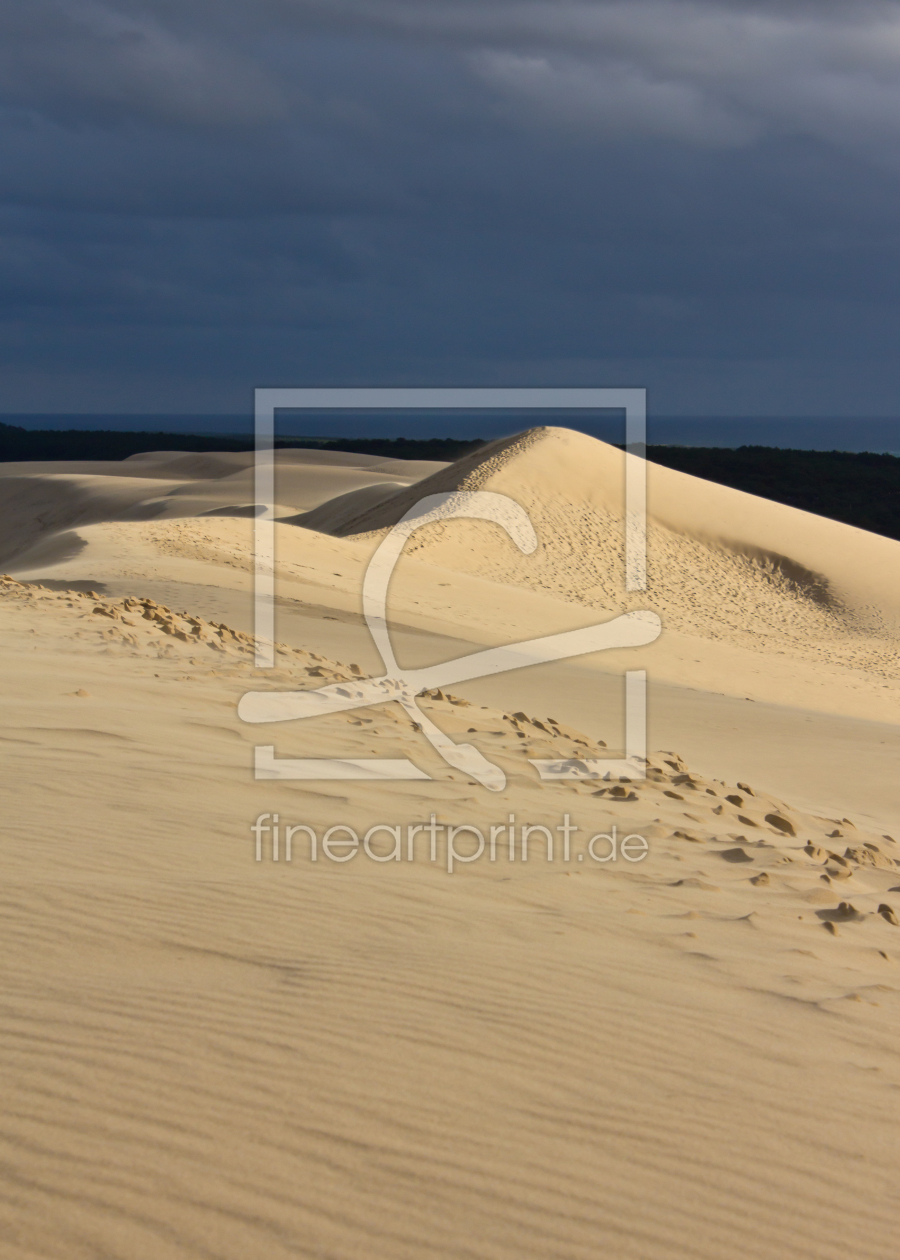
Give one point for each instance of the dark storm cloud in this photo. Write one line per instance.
(706, 73)
(103, 62)
(447, 189)
(709, 73)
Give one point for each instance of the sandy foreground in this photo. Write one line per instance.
(208, 1052)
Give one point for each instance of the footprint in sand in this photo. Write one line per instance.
(845, 913)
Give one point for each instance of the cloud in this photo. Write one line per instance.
(80, 59)
(615, 101)
(702, 71)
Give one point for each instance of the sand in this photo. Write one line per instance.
(690, 1054)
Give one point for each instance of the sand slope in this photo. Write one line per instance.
(209, 1056)
(205, 1055)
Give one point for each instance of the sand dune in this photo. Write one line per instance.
(709, 545)
(689, 1055)
(40, 501)
(758, 600)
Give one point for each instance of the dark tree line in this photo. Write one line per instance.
(858, 489)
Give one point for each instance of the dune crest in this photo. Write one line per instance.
(722, 565)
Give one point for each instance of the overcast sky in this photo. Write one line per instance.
(201, 196)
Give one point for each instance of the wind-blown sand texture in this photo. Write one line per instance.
(205, 1055)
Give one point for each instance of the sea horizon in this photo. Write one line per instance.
(878, 435)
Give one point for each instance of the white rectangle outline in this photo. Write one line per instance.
(267, 401)
(267, 766)
(632, 401)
